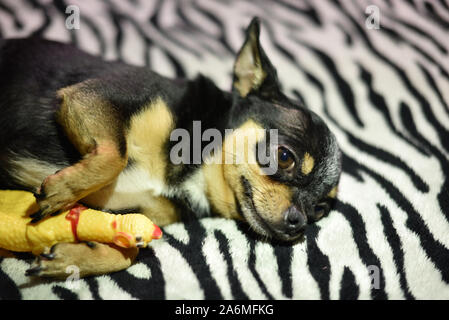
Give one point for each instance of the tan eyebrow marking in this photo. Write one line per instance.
(333, 192)
(307, 164)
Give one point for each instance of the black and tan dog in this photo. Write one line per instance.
(74, 128)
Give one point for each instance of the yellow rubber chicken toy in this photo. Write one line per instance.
(77, 224)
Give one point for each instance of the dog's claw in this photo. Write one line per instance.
(42, 213)
(37, 216)
(34, 271)
(48, 256)
(90, 244)
(39, 195)
(55, 213)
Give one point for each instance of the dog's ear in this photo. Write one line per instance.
(252, 68)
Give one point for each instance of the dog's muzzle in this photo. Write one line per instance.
(294, 222)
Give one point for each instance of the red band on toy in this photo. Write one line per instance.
(157, 233)
(74, 216)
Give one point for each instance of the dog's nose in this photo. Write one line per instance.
(295, 222)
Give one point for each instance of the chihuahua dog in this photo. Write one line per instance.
(75, 128)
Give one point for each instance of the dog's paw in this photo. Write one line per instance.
(87, 258)
(57, 262)
(53, 197)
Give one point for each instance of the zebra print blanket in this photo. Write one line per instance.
(376, 71)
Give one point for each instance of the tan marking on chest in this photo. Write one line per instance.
(219, 192)
(148, 132)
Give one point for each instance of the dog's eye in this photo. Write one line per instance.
(285, 158)
(320, 210)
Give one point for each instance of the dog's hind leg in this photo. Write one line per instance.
(93, 127)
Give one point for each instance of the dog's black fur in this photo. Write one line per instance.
(34, 75)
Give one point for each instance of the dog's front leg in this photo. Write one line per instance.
(94, 129)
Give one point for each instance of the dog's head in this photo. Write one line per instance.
(307, 159)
